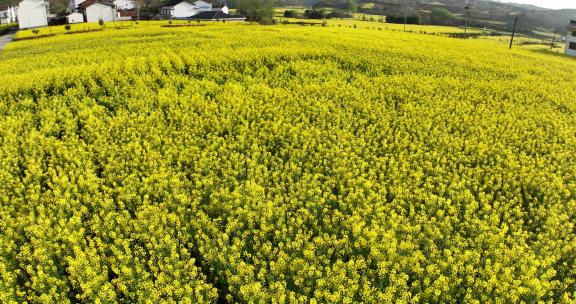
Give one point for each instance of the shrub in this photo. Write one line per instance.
(314, 14)
(289, 14)
(333, 15)
(67, 27)
(413, 19)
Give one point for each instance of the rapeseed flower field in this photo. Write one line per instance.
(280, 164)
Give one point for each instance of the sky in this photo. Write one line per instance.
(554, 4)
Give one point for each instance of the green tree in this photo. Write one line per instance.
(441, 16)
(352, 6)
(260, 11)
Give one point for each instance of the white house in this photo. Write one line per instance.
(95, 10)
(7, 14)
(220, 15)
(73, 5)
(124, 4)
(184, 8)
(32, 13)
(75, 18)
(571, 39)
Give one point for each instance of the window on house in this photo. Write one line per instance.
(574, 33)
(572, 45)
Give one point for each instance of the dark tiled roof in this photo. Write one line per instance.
(87, 3)
(215, 15)
(128, 13)
(174, 2)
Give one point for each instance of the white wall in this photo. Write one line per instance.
(77, 2)
(4, 16)
(14, 13)
(184, 9)
(8, 15)
(124, 4)
(570, 38)
(98, 11)
(73, 5)
(166, 10)
(75, 18)
(32, 13)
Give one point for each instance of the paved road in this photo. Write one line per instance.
(5, 39)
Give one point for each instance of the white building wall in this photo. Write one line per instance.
(32, 13)
(73, 5)
(13, 13)
(8, 15)
(570, 37)
(124, 4)
(184, 9)
(75, 18)
(166, 10)
(98, 11)
(77, 2)
(4, 17)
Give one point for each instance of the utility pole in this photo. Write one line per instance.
(404, 21)
(553, 40)
(513, 31)
(466, 13)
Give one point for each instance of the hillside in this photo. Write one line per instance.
(489, 14)
(236, 163)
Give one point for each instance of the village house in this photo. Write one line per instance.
(75, 18)
(124, 4)
(32, 13)
(96, 10)
(184, 8)
(7, 14)
(119, 4)
(73, 5)
(219, 15)
(571, 39)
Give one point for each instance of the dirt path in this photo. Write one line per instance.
(5, 39)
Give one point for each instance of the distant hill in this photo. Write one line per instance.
(484, 13)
